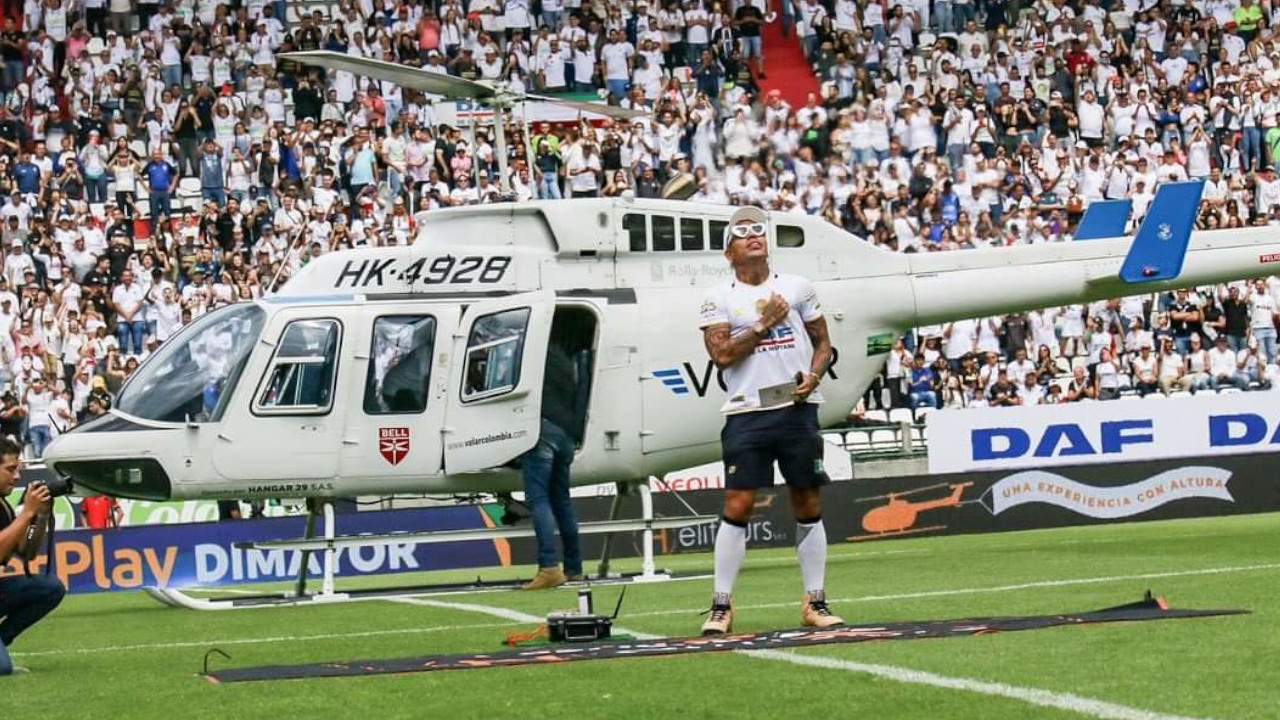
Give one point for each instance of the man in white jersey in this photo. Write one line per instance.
(766, 332)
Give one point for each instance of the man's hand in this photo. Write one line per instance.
(37, 501)
(807, 385)
(775, 311)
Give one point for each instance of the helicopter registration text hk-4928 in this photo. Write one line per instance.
(420, 369)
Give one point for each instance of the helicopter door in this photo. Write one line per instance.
(290, 428)
(495, 393)
(399, 390)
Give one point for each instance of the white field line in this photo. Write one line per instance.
(258, 640)
(1091, 707)
(1088, 706)
(995, 589)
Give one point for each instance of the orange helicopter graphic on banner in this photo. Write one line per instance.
(899, 516)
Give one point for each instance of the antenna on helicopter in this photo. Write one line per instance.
(497, 96)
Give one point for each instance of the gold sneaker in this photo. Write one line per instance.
(546, 578)
(814, 612)
(719, 617)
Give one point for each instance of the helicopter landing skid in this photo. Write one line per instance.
(896, 533)
(176, 598)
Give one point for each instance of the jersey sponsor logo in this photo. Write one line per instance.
(781, 337)
(393, 443)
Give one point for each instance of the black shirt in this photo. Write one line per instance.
(309, 38)
(119, 254)
(1184, 328)
(7, 516)
(204, 110)
(186, 129)
(560, 389)
(307, 103)
(1237, 312)
(96, 277)
(10, 424)
(13, 44)
(1015, 333)
(748, 29)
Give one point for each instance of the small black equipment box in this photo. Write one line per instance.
(583, 625)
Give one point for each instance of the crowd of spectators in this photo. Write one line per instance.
(1221, 338)
(158, 161)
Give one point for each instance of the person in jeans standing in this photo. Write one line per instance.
(546, 473)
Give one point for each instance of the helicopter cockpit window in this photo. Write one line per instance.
(300, 378)
(399, 375)
(494, 350)
(191, 377)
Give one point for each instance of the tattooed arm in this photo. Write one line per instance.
(822, 356)
(726, 349)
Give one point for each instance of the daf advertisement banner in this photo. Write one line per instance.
(1040, 436)
(205, 554)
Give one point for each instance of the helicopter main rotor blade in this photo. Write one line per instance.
(453, 88)
(613, 111)
(905, 493)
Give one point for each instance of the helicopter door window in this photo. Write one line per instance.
(664, 233)
(300, 377)
(494, 350)
(691, 237)
(399, 364)
(716, 234)
(637, 233)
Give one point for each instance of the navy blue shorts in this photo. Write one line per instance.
(752, 442)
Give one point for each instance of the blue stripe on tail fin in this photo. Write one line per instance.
(1104, 219)
(1160, 246)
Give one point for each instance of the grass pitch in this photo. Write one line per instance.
(123, 655)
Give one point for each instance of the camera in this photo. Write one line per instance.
(59, 486)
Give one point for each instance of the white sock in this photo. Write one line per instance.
(811, 549)
(731, 550)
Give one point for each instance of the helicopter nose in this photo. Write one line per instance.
(111, 458)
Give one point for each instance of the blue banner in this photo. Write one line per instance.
(204, 554)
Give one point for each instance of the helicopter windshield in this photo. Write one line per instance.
(190, 378)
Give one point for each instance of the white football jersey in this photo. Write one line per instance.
(786, 350)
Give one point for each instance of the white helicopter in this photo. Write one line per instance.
(419, 369)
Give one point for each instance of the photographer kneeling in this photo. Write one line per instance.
(24, 599)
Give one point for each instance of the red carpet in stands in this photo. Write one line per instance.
(785, 66)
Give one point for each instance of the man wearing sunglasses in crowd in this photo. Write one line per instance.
(766, 332)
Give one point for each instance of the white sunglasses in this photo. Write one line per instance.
(745, 231)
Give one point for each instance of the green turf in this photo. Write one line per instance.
(81, 659)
